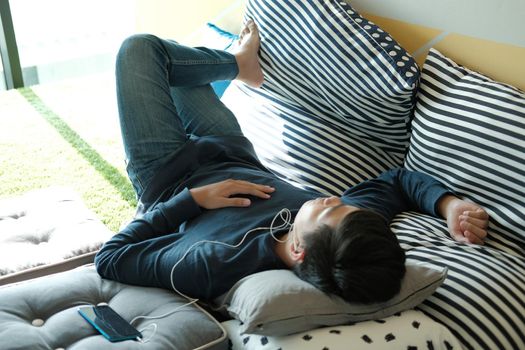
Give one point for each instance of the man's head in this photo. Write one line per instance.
(346, 251)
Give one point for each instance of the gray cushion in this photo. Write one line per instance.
(277, 302)
(42, 314)
(47, 228)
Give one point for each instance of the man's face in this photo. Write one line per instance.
(320, 211)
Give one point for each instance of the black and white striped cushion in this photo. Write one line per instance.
(335, 106)
(482, 300)
(469, 132)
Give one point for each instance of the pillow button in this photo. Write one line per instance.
(38, 322)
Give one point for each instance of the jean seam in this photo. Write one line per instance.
(138, 180)
(198, 62)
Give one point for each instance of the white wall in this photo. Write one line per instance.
(497, 20)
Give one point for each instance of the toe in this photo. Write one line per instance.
(250, 25)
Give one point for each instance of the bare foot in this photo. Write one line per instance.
(246, 55)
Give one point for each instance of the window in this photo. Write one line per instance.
(60, 39)
(2, 76)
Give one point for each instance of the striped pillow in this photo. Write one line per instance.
(469, 132)
(335, 106)
(482, 300)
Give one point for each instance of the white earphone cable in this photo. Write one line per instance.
(284, 214)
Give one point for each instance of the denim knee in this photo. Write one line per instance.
(137, 47)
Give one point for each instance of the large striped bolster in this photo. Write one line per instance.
(469, 132)
(335, 106)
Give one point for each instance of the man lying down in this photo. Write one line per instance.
(198, 190)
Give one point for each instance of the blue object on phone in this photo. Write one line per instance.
(109, 323)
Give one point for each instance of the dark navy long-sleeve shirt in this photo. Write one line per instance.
(145, 252)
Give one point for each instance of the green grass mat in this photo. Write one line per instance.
(57, 135)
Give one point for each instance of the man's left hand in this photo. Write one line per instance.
(467, 222)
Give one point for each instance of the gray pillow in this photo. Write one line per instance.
(277, 302)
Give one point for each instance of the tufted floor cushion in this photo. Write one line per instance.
(46, 231)
(42, 314)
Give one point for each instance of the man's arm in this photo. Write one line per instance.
(399, 190)
(126, 257)
(145, 251)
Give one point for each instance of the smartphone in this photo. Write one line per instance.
(109, 323)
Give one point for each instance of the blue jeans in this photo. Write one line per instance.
(164, 96)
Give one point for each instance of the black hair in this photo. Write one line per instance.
(359, 260)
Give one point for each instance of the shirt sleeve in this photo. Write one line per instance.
(397, 190)
(164, 218)
(132, 255)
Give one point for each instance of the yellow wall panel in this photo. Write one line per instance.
(180, 19)
(501, 62)
(410, 36)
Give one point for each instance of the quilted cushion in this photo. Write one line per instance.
(334, 109)
(42, 314)
(47, 227)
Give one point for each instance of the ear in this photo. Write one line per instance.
(297, 255)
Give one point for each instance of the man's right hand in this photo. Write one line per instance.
(219, 194)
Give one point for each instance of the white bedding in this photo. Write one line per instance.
(409, 330)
